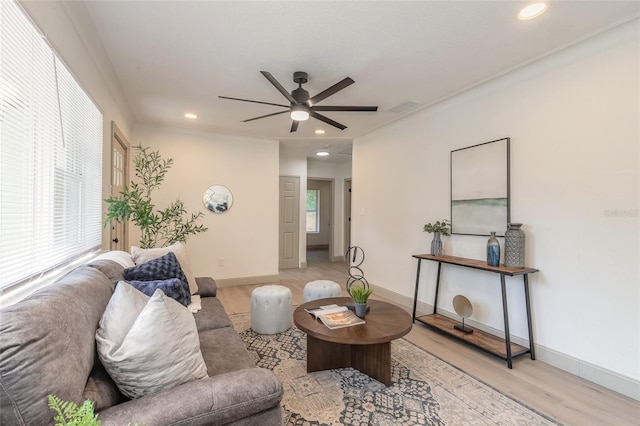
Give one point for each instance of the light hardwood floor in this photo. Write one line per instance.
(560, 395)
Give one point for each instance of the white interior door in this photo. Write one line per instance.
(289, 246)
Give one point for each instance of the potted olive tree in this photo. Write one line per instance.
(159, 228)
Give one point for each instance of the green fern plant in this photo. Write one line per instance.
(67, 413)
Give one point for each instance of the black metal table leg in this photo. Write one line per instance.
(529, 324)
(415, 296)
(435, 302)
(507, 335)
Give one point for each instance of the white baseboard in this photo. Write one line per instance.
(260, 279)
(609, 379)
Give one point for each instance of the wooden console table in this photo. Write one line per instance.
(502, 348)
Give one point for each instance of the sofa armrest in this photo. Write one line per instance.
(216, 400)
(207, 287)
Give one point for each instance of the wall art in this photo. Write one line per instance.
(218, 198)
(480, 188)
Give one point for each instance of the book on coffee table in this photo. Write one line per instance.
(334, 316)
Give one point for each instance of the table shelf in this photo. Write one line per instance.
(480, 339)
(503, 348)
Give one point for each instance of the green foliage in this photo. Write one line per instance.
(68, 413)
(440, 226)
(312, 199)
(159, 228)
(360, 294)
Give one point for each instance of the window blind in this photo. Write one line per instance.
(50, 156)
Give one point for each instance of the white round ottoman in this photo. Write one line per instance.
(271, 309)
(321, 289)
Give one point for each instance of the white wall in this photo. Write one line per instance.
(574, 123)
(246, 236)
(66, 27)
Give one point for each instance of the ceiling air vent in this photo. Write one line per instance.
(404, 107)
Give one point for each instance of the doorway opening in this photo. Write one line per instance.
(319, 220)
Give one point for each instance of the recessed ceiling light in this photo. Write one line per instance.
(319, 132)
(322, 153)
(191, 116)
(532, 11)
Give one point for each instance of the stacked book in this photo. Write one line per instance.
(334, 316)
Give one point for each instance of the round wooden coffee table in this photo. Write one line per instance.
(365, 347)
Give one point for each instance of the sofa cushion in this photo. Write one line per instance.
(172, 287)
(101, 389)
(212, 315)
(179, 249)
(207, 287)
(112, 269)
(148, 344)
(223, 351)
(160, 268)
(47, 345)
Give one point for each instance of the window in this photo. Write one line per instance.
(313, 211)
(50, 156)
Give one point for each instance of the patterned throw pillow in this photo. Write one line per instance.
(173, 288)
(160, 268)
(139, 255)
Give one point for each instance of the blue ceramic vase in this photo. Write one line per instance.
(493, 251)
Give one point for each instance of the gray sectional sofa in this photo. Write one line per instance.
(47, 346)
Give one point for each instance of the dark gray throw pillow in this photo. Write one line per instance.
(172, 288)
(160, 268)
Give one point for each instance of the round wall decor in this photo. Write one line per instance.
(218, 198)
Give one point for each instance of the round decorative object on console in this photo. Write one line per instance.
(514, 244)
(464, 309)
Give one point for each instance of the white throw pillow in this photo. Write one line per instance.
(140, 255)
(121, 257)
(148, 344)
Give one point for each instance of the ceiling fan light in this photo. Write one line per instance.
(299, 113)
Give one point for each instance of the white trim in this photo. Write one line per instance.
(616, 382)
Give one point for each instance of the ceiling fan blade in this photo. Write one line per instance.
(330, 91)
(255, 102)
(344, 108)
(327, 120)
(265, 116)
(294, 126)
(278, 86)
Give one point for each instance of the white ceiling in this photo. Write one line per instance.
(173, 57)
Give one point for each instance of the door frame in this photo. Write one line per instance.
(119, 139)
(347, 213)
(331, 212)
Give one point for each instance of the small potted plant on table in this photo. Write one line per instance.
(360, 296)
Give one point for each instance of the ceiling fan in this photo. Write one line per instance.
(302, 106)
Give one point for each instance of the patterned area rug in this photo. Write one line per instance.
(425, 391)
